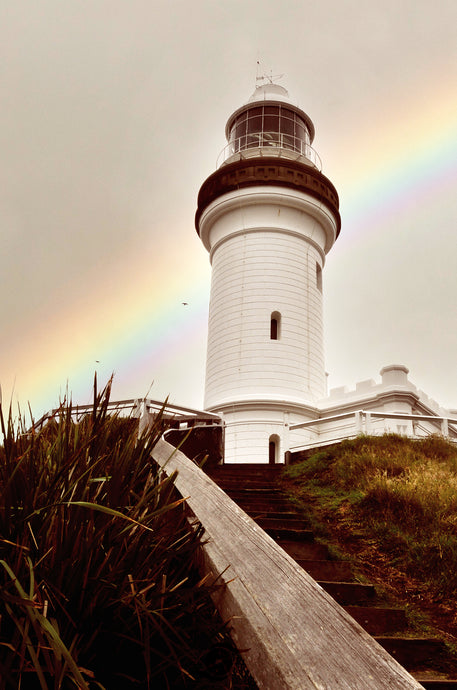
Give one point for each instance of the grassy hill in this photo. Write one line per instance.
(389, 504)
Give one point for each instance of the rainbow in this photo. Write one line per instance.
(139, 328)
(412, 165)
(134, 328)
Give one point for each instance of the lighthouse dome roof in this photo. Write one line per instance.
(270, 92)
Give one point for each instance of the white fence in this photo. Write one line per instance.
(334, 428)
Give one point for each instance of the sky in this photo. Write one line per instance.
(112, 115)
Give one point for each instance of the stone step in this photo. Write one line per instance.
(240, 490)
(329, 571)
(254, 489)
(435, 683)
(256, 496)
(304, 550)
(268, 497)
(282, 533)
(346, 593)
(238, 481)
(268, 511)
(223, 475)
(379, 620)
(414, 653)
(246, 470)
(262, 505)
(289, 523)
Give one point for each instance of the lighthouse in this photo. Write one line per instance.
(268, 217)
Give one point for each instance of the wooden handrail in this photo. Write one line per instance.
(291, 633)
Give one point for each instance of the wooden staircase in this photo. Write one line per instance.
(255, 489)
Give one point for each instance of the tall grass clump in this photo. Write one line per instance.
(98, 579)
(401, 492)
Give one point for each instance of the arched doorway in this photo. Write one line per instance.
(273, 449)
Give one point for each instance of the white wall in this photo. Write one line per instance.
(265, 258)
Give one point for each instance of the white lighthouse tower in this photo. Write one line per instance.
(267, 217)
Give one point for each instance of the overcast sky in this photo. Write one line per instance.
(113, 114)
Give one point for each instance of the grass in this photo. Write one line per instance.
(398, 494)
(98, 580)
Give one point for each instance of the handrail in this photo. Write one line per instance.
(372, 413)
(445, 423)
(291, 633)
(136, 407)
(270, 144)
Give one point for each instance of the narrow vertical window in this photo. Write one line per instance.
(275, 325)
(319, 277)
(274, 329)
(273, 449)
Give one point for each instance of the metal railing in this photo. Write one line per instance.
(269, 144)
(137, 408)
(363, 424)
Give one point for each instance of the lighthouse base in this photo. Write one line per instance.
(263, 431)
(258, 431)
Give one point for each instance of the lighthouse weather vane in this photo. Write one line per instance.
(264, 78)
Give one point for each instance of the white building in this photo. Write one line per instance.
(268, 217)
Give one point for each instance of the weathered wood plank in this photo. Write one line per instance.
(296, 635)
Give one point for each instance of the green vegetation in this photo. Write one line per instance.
(396, 494)
(98, 580)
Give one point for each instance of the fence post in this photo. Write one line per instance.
(358, 422)
(445, 427)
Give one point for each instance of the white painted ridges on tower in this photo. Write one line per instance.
(266, 261)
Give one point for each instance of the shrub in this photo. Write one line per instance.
(98, 578)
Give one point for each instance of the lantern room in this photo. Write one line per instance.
(269, 120)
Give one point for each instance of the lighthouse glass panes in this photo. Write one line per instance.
(269, 125)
